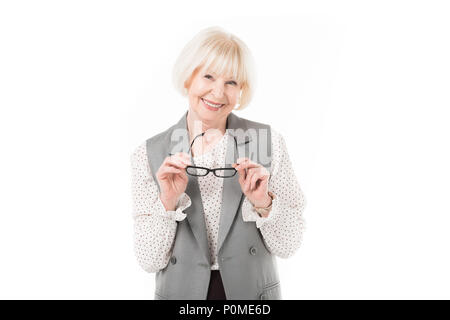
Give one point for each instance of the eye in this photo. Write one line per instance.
(234, 83)
(207, 76)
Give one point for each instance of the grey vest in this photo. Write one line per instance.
(248, 269)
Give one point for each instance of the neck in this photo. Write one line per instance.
(196, 126)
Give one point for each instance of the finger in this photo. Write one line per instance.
(184, 176)
(172, 168)
(248, 180)
(265, 177)
(257, 176)
(183, 157)
(262, 178)
(241, 160)
(166, 171)
(241, 174)
(176, 163)
(241, 171)
(247, 164)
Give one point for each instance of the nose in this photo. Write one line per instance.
(218, 89)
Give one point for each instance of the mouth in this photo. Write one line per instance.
(210, 105)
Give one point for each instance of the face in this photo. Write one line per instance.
(212, 97)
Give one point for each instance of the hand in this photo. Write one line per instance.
(254, 180)
(172, 179)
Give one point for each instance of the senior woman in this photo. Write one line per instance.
(215, 197)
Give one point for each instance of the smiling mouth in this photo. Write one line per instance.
(211, 104)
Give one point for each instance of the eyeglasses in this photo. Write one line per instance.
(218, 172)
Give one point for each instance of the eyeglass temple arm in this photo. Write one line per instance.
(203, 133)
(193, 140)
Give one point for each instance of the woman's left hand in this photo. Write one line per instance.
(254, 180)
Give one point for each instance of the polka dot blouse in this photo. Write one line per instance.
(155, 228)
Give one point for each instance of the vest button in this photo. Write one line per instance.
(253, 251)
(173, 260)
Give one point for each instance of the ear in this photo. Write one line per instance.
(238, 104)
(187, 84)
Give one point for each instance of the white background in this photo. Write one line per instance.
(359, 90)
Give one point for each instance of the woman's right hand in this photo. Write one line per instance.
(172, 179)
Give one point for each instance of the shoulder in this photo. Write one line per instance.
(276, 135)
(278, 143)
(159, 137)
(139, 152)
(253, 124)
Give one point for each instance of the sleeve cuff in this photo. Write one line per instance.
(184, 201)
(249, 214)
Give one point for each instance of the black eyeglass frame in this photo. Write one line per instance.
(210, 170)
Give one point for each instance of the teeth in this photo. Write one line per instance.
(211, 105)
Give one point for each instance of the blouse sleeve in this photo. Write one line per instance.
(283, 228)
(154, 227)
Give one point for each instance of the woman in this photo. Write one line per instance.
(211, 216)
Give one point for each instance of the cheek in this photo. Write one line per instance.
(233, 97)
(201, 87)
(196, 93)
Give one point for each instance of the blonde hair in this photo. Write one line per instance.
(220, 52)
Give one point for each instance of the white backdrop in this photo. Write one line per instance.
(358, 89)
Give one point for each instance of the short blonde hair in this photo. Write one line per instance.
(220, 52)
